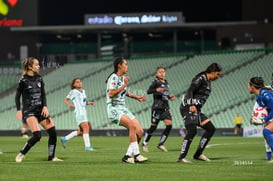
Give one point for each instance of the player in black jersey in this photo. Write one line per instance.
(160, 109)
(190, 109)
(34, 109)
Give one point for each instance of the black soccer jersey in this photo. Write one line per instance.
(198, 92)
(33, 93)
(161, 99)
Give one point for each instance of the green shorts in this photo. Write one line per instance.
(81, 118)
(115, 113)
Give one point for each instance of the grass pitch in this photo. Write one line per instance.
(233, 158)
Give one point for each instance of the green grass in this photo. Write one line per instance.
(233, 158)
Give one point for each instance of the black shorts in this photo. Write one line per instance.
(36, 113)
(160, 114)
(192, 118)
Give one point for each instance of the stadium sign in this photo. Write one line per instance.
(134, 19)
(18, 13)
(5, 8)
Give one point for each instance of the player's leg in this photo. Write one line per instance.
(24, 130)
(168, 122)
(148, 134)
(84, 127)
(36, 136)
(49, 126)
(209, 131)
(191, 121)
(267, 132)
(191, 132)
(133, 126)
(68, 137)
(268, 151)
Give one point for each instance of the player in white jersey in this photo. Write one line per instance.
(117, 111)
(78, 97)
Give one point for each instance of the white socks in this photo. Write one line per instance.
(133, 149)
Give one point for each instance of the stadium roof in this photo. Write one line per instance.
(66, 29)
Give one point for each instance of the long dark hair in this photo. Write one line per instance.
(214, 67)
(117, 61)
(258, 82)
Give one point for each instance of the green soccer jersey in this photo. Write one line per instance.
(114, 82)
(79, 100)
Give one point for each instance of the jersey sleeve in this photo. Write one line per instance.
(112, 82)
(18, 94)
(268, 99)
(71, 95)
(152, 87)
(195, 84)
(43, 93)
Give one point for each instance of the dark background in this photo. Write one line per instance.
(68, 12)
(63, 12)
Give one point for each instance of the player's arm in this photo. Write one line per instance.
(17, 101)
(139, 98)
(44, 112)
(152, 88)
(195, 84)
(67, 102)
(268, 99)
(113, 84)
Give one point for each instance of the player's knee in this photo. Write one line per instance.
(167, 129)
(52, 132)
(151, 129)
(37, 135)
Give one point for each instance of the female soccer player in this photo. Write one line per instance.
(78, 97)
(190, 109)
(117, 111)
(34, 112)
(160, 109)
(264, 99)
(268, 151)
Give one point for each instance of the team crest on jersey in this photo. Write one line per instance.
(39, 84)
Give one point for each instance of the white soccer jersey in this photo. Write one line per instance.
(79, 100)
(114, 82)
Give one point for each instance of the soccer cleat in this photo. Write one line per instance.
(55, 159)
(90, 148)
(140, 158)
(19, 158)
(203, 158)
(25, 136)
(184, 160)
(162, 147)
(64, 141)
(145, 148)
(128, 159)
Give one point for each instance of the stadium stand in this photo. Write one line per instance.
(229, 94)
